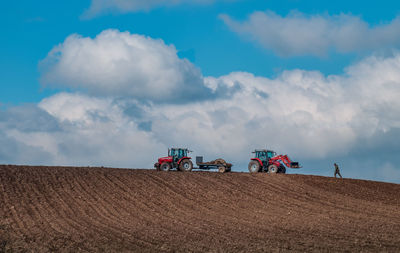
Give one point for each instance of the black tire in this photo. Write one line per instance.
(254, 166)
(157, 166)
(186, 165)
(222, 169)
(273, 169)
(165, 166)
(282, 169)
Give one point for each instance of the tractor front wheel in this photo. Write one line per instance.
(186, 165)
(273, 169)
(165, 166)
(254, 167)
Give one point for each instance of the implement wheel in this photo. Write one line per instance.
(165, 166)
(254, 166)
(186, 165)
(273, 169)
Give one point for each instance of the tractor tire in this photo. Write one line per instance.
(165, 166)
(282, 170)
(186, 165)
(254, 167)
(222, 169)
(273, 169)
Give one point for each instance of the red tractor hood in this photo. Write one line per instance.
(165, 159)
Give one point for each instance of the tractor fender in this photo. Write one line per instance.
(259, 161)
(185, 157)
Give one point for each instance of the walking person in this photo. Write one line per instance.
(337, 171)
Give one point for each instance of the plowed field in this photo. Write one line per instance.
(69, 209)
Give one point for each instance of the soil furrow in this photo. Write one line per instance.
(71, 209)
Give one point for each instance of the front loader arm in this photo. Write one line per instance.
(286, 160)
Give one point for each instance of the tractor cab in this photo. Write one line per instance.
(263, 154)
(178, 153)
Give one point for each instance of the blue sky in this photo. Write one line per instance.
(30, 32)
(217, 39)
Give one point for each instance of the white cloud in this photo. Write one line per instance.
(305, 114)
(302, 113)
(91, 131)
(299, 34)
(122, 64)
(103, 6)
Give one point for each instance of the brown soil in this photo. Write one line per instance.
(45, 209)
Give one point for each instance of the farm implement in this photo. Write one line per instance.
(178, 159)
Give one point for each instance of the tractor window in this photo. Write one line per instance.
(174, 152)
(179, 153)
(271, 154)
(261, 155)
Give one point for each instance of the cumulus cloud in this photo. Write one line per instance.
(76, 129)
(122, 64)
(306, 114)
(299, 34)
(300, 112)
(303, 113)
(102, 6)
(25, 119)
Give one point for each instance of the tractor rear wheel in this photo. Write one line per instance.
(186, 165)
(222, 169)
(165, 166)
(273, 169)
(254, 167)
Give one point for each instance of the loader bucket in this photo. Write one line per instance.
(295, 165)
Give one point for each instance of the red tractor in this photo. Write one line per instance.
(267, 160)
(177, 159)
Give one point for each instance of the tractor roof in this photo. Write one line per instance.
(182, 149)
(263, 150)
